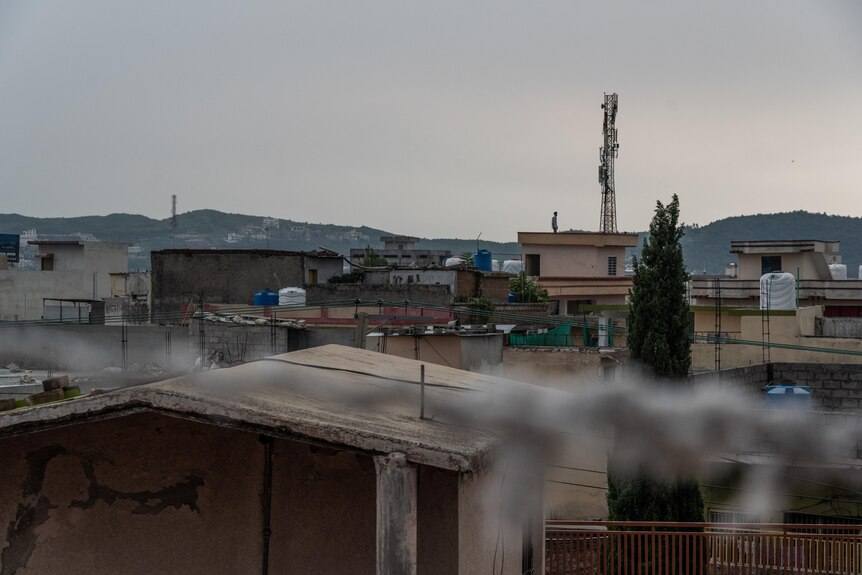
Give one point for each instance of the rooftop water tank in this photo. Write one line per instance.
(291, 296)
(266, 297)
(778, 291)
(513, 266)
(496, 265)
(788, 396)
(482, 260)
(838, 271)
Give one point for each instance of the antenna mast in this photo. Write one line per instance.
(173, 218)
(607, 153)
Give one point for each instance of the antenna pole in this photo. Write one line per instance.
(607, 153)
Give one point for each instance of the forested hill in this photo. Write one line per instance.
(213, 229)
(708, 247)
(705, 248)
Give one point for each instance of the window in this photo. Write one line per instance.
(612, 265)
(532, 264)
(312, 277)
(769, 264)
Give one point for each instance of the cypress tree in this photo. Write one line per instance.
(658, 337)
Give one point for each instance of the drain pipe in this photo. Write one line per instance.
(266, 499)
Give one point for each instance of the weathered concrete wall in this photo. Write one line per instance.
(325, 335)
(559, 368)
(240, 343)
(848, 327)
(482, 353)
(81, 348)
(437, 525)
(141, 494)
(419, 293)
(323, 511)
(152, 494)
(21, 292)
(181, 277)
(485, 525)
(147, 493)
(437, 349)
(834, 387)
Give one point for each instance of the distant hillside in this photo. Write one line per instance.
(705, 248)
(213, 229)
(708, 247)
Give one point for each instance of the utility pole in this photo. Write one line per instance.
(607, 153)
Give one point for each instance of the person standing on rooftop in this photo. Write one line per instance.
(554, 222)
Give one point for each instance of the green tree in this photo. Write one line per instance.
(659, 338)
(659, 323)
(526, 290)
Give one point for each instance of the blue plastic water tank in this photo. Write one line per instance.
(482, 260)
(788, 396)
(266, 297)
(512, 297)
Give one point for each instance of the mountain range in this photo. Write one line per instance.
(705, 248)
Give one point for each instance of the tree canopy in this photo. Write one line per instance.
(658, 337)
(659, 323)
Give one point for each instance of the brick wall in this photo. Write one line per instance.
(834, 386)
(241, 343)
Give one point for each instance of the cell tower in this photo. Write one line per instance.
(173, 218)
(607, 153)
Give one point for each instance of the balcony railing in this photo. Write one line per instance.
(592, 548)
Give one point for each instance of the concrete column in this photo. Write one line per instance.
(396, 515)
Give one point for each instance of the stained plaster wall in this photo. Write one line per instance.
(148, 493)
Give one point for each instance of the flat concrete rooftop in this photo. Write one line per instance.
(333, 395)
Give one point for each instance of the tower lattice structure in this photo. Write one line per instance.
(607, 153)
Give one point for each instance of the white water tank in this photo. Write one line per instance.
(453, 262)
(838, 271)
(512, 266)
(291, 296)
(778, 291)
(860, 272)
(496, 265)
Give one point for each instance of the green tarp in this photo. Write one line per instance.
(558, 337)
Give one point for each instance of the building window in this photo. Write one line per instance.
(532, 264)
(312, 277)
(769, 264)
(612, 265)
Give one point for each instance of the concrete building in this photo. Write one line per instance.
(807, 260)
(471, 350)
(182, 277)
(68, 270)
(310, 462)
(829, 314)
(401, 251)
(578, 268)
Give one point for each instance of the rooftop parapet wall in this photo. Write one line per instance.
(834, 387)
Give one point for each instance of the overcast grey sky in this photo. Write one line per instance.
(434, 119)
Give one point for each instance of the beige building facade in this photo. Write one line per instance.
(73, 270)
(578, 268)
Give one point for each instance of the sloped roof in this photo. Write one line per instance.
(340, 396)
